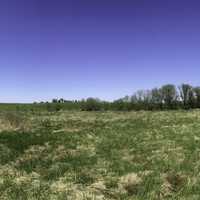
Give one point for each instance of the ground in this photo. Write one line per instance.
(100, 155)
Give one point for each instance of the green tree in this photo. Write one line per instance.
(197, 96)
(186, 95)
(92, 104)
(169, 95)
(156, 98)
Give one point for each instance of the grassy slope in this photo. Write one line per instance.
(95, 155)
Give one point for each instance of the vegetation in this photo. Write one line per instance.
(58, 150)
(168, 97)
(82, 155)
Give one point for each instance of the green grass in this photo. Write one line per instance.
(100, 155)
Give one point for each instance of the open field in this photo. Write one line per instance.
(100, 155)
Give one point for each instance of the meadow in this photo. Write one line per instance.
(79, 155)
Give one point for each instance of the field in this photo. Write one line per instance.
(100, 155)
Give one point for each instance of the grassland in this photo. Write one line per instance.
(100, 155)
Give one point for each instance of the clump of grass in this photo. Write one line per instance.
(20, 141)
(56, 171)
(85, 177)
(23, 188)
(6, 154)
(15, 120)
(176, 181)
(111, 182)
(131, 183)
(46, 125)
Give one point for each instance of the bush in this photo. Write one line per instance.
(91, 104)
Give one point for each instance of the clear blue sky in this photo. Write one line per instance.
(101, 48)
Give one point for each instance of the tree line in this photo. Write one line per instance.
(167, 97)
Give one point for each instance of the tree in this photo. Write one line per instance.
(197, 96)
(126, 99)
(191, 99)
(61, 100)
(185, 94)
(54, 101)
(169, 95)
(92, 104)
(156, 98)
(141, 100)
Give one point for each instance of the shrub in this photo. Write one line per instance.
(92, 104)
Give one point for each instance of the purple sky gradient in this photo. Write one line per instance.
(101, 48)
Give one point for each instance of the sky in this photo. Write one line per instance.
(76, 49)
